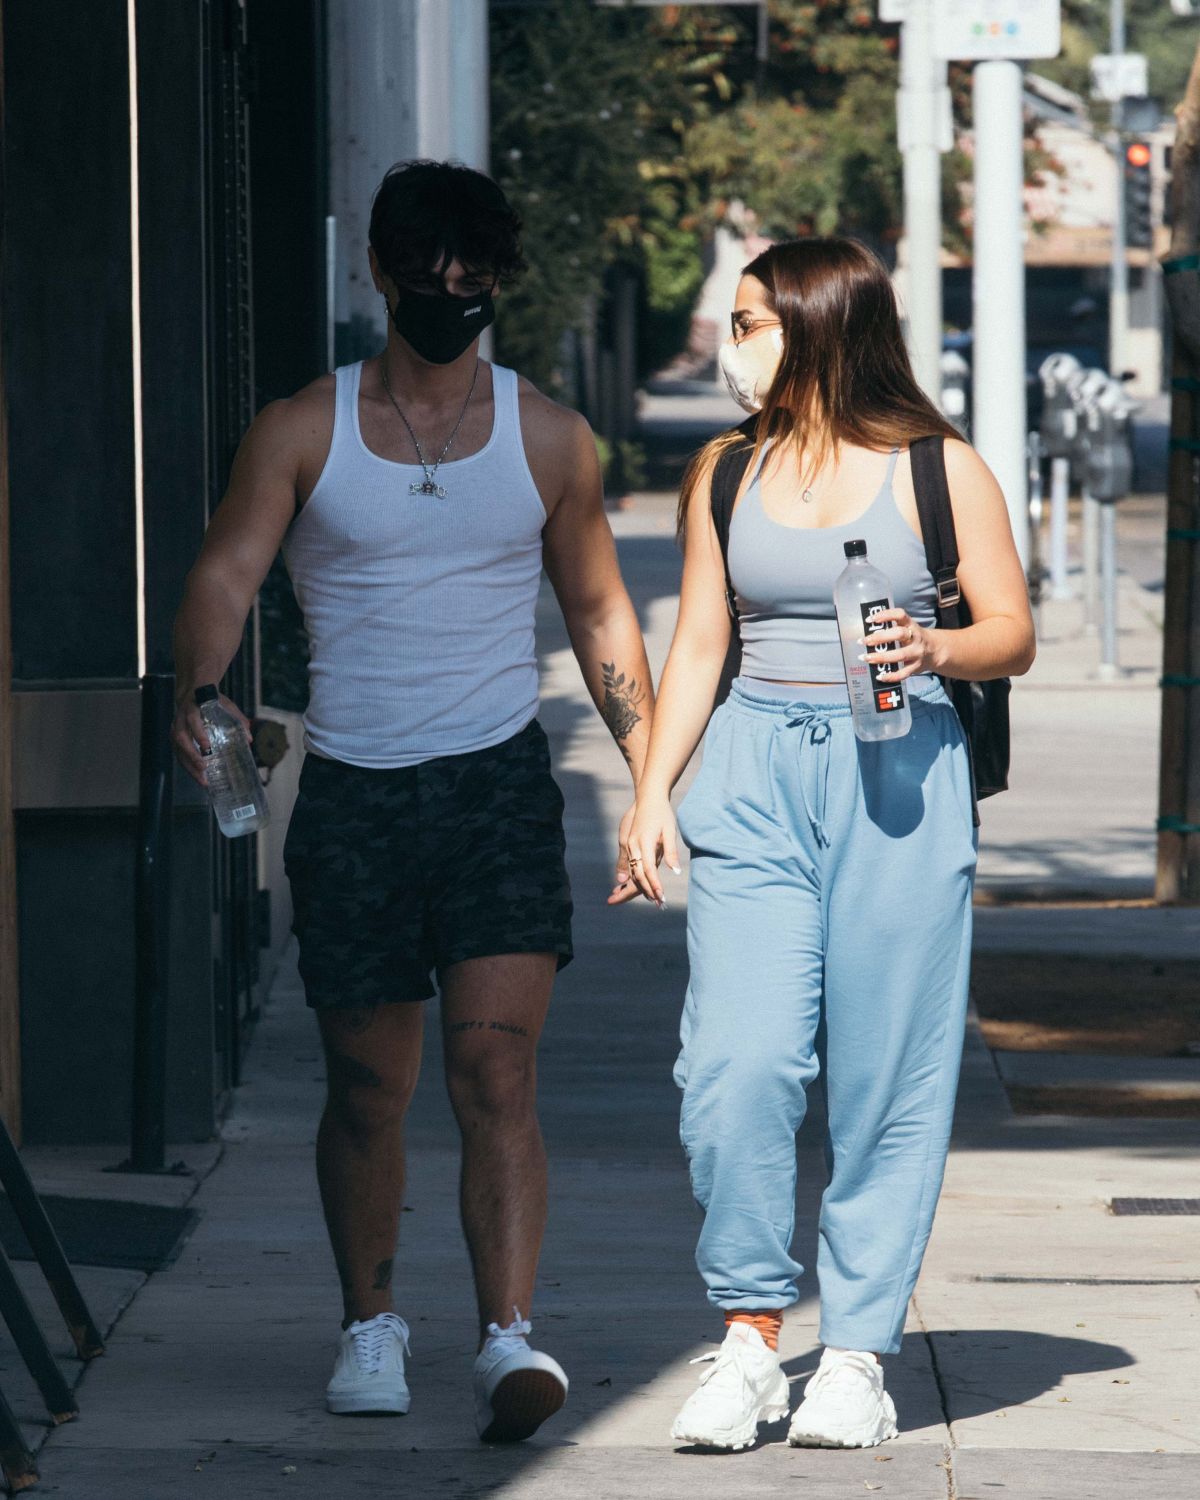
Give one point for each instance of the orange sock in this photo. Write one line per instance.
(767, 1323)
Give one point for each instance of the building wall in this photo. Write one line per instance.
(407, 78)
(69, 363)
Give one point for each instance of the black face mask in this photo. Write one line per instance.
(441, 327)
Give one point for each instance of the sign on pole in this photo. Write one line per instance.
(1119, 76)
(975, 30)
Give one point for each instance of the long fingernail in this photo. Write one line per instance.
(677, 870)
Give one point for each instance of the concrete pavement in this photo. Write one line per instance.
(1051, 1351)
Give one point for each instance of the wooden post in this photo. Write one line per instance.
(1178, 877)
(10, 1036)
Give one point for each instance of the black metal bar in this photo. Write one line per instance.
(19, 1465)
(43, 1241)
(32, 1346)
(153, 916)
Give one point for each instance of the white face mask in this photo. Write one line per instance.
(750, 368)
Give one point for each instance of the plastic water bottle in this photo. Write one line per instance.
(235, 788)
(879, 708)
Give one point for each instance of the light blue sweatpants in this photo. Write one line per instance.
(830, 883)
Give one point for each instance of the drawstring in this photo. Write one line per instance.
(806, 716)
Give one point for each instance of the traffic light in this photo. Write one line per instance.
(1138, 225)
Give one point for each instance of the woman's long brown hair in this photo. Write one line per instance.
(845, 375)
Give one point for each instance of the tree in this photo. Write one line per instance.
(1151, 27)
(624, 136)
(577, 95)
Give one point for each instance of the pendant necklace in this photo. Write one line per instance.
(429, 485)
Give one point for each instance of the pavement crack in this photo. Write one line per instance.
(951, 1443)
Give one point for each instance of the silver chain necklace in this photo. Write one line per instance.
(428, 486)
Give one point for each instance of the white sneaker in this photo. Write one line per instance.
(516, 1387)
(845, 1404)
(744, 1387)
(368, 1375)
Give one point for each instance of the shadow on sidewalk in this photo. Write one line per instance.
(1020, 1366)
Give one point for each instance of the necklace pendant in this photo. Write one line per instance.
(806, 496)
(428, 487)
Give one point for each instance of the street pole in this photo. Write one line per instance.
(1118, 294)
(1089, 543)
(1109, 667)
(1060, 486)
(922, 84)
(998, 286)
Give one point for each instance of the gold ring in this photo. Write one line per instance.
(633, 862)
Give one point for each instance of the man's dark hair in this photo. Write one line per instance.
(427, 213)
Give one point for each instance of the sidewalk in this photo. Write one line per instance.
(1052, 1348)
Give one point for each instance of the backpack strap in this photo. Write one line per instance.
(728, 473)
(928, 458)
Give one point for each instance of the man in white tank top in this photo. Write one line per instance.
(416, 497)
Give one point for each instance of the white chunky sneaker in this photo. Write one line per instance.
(743, 1387)
(368, 1375)
(845, 1404)
(516, 1387)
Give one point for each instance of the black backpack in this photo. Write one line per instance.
(982, 706)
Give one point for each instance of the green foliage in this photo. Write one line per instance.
(630, 134)
(1169, 42)
(673, 274)
(801, 141)
(569, 130)
(622, 465)
(626, 134)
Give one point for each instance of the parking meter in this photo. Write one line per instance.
(956, 375)
(1059, 428)
(1084, 387)
(1107, 441)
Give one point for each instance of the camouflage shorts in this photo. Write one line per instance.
(396, 873)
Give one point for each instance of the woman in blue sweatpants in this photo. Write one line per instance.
(829, 904)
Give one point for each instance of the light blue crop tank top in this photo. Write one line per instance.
(783, 579)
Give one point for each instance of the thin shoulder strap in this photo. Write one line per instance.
(928, 459)
(891, 468)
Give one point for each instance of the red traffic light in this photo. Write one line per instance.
(1137, 154)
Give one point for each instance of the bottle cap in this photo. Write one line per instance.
(855, 549)
(206, 693)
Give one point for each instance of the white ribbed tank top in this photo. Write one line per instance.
(419, 610)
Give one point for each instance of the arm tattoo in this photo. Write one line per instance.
(619, 709)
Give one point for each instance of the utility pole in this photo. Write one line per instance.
(1118, 295)
(923, 131)
(998, 287)
(969, 31)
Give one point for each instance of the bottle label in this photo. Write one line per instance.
(887, 696)
(243, 812)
